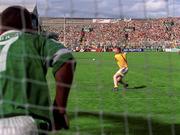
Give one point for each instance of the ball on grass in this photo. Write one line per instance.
(93, 59)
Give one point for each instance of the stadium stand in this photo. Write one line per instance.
(146, 33)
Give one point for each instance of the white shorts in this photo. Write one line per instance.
(18, 125)
(122, 71)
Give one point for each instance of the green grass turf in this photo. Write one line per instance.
(151, 104)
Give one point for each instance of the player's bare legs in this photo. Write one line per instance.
(120, 80)
(115, 79)
(125, 85)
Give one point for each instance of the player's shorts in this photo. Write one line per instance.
(122, 71)
(19, 125)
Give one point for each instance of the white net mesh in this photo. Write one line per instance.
(145, 28)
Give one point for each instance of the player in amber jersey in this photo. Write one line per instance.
(121, 60)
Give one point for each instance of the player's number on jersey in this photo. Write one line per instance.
(3, 57)
(4, 52)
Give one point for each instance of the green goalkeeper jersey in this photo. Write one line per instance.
(24, 60)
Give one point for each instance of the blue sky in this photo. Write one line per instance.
(103, 8)
(110, 8)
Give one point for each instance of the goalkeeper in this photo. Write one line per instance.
(121, 60)
(24, 61)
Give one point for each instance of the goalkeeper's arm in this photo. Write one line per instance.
(63, 77)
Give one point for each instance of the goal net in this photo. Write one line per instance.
(148, 30)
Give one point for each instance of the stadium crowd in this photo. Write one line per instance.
(138, 33)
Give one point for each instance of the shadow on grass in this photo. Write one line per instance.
(109, 124)
(137, 87)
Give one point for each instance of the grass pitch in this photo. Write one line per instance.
(150, 106)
